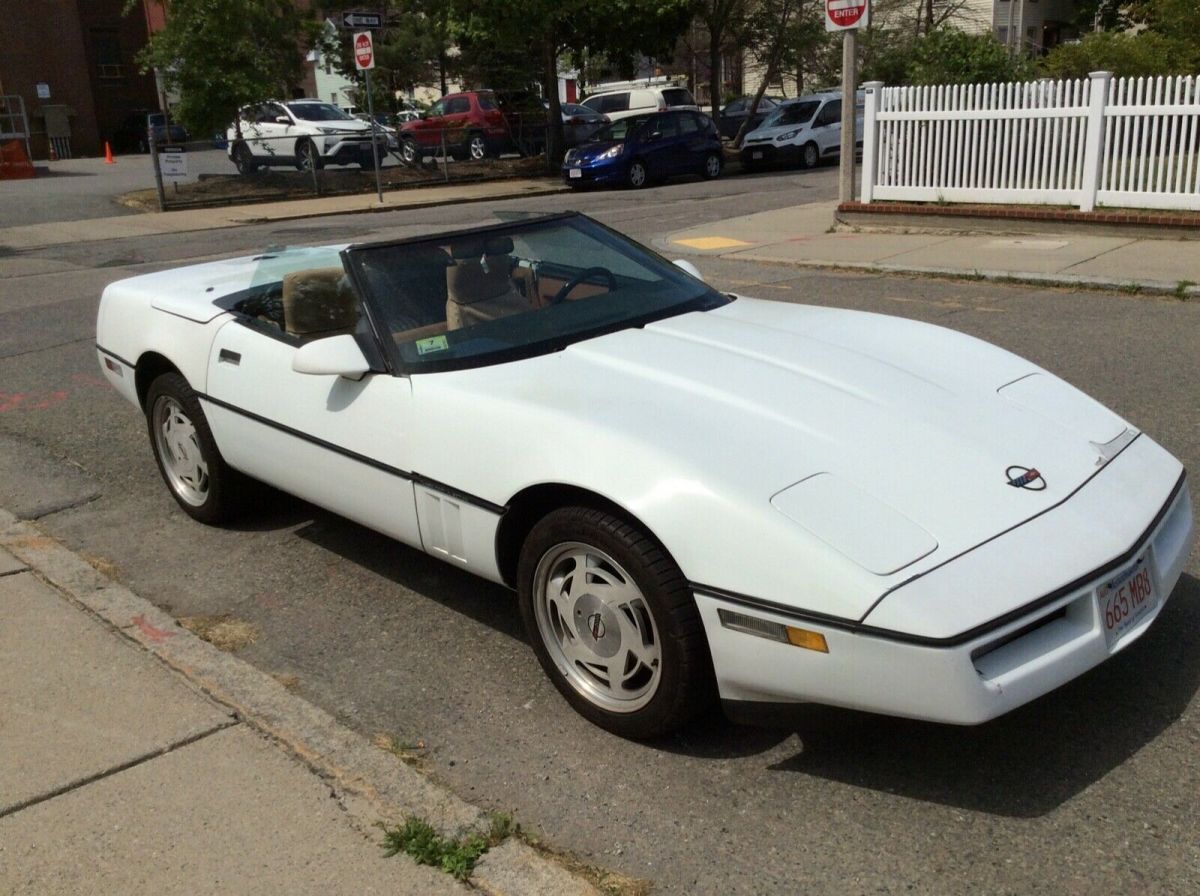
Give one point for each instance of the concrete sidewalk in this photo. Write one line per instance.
(37, 236)
(805, 235)
(138, 759)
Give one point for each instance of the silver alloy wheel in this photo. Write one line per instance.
(178, 446)
(811, 155)
(597, 627)
(478, 147)
(637, 174)
(408, 151)
(712, 165)
(308, 156)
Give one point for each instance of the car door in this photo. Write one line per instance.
(694, 141)
(457, 119)
(342, 444)
(427, 129)
(660, 145)
(272, 132)
(827, 128)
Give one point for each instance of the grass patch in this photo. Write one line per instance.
(417, 839)
(408, 752)
(223, 632)
(1181, 289)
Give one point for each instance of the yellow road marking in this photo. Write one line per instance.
(711, 242)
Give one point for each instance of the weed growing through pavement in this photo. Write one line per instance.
(417, 839)
(1181, 289)
(1130, 289)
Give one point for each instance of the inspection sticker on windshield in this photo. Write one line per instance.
(432, 344)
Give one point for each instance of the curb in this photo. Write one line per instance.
(1153, 287)
(372, 785)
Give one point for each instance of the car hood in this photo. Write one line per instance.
(759, 135)
(765, 430)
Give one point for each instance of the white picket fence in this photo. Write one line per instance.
(1117, 142)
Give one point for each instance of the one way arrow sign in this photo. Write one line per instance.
(362, 20)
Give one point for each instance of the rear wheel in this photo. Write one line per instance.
(810, 156)
(712, 165)
(613, 623)
(243, 159)
(187, 456)
(637, 176)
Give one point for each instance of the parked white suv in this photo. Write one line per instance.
(803, 131)
(303, 133)
(628, 101)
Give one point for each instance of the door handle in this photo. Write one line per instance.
(228, 357)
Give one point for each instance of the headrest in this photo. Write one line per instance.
(474, 247)
(318, 300)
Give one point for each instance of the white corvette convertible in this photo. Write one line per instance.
(694, 494)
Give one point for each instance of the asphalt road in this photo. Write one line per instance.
(1091, 789)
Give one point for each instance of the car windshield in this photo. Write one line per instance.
(792, 113)
(619, 129)
(157, 119)
(488, 295)
(318, 112)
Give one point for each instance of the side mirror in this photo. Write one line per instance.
(282, 119)
(654, 136)
(688, 268)
(332, 356)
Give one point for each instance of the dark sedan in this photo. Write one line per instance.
(737, 111)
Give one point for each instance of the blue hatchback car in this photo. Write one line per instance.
(646, 148)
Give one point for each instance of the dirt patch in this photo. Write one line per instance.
(276, 184)
(223, 632)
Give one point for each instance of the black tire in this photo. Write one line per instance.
(669, 691)
(810, 156)
(713, 163)
(180, 438)
(243, 159)
(308, 157)
(637, 176)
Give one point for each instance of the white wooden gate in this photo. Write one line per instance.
(1131, 142)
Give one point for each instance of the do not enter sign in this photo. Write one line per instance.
(842, 15)
(364, 51)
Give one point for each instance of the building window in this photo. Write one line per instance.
(107, 47)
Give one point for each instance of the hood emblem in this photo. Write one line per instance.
(1025, 477)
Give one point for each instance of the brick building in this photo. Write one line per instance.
(72, 61)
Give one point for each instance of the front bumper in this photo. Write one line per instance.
(769, 154)
(607, 172)
(967, 679)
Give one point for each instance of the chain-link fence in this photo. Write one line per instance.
(257, 165)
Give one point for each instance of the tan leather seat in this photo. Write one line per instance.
(318, 302)
(479, 285)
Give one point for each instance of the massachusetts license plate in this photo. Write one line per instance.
(575, 172)
(1126, 600)
(757, 154)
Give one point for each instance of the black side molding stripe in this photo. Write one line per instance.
(859, 628)
(115, 356)
(415, 478)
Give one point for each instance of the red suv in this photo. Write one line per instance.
(472, 124)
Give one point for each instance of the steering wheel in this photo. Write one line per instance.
(583, 275)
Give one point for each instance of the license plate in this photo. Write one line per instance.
(1126, 600)
(757, 154)
(575, 172)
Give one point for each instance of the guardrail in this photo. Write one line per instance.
(1128, 142)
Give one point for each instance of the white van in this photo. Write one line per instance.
(803, 131)
(623, 101)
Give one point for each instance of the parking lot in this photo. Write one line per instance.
(1091, 789)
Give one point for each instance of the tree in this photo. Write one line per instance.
(727, 22)
(950, 56)
(222, 54)
(544, 30)
(1166, 43)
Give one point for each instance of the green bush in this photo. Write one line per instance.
(1124, 54)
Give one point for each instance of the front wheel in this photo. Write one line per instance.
(637, 176)
(810, 156)
(187, 456)
(409, 152)
(307, 157)
(613, 623)
(477, 147)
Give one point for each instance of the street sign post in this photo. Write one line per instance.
(362, 20)
(364, 61)
(847, 16)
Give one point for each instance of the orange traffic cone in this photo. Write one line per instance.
(108, 158)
